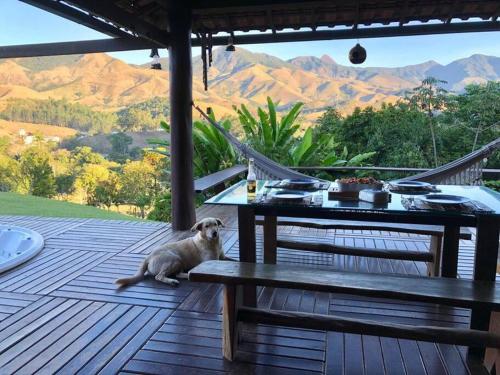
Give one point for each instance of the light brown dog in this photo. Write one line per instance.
(172, 259)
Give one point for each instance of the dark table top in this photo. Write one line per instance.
(236, 195)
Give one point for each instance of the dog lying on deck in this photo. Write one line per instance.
(174, 259)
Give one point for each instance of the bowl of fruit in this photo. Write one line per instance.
(358, 184)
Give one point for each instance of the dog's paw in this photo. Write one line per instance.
(174, 283)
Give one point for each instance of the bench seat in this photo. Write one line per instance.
(431, 257)
(216, 180)
(454, 292)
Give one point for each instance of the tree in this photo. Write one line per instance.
(119, 146)
(11, 178)
(108, 192)
(36, 169)
(137, 119)
(140, 184)
(429, 97)
(88, 179)
(478, 111)
(65, 184)
(84, 155)
(162, 208)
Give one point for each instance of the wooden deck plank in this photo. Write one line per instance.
(62, 312)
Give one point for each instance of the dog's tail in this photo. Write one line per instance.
(136, 278)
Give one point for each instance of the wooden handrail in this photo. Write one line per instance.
(486, 172)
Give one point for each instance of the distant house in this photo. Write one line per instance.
(28, 139)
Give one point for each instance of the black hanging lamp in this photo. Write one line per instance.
(230, 44)
(357, 54)
(155, 64)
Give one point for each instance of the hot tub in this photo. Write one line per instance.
(17, 245)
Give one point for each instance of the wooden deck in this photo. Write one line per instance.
(61, 312)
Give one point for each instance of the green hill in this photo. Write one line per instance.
(17, 204)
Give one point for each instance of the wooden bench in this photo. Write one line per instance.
(452, 292)
(432, 257)
(216, 180)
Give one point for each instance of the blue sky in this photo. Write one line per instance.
(22, 24)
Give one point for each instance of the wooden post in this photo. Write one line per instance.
(270, 239)
(248, 252)
(449, 258)
(181, 143)
(436, 246)
(485, 265)
(232, 301)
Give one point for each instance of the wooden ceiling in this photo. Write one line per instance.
(141, 24)
(262, 15)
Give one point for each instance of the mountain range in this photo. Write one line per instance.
(106, 83)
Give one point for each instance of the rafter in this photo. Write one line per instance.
(77, 16)
(124, 19)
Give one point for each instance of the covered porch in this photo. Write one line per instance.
(61, 312)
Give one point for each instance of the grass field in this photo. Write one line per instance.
(17, 204)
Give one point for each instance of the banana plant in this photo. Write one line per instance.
(334, 160)
(212, 151)
(268, 135)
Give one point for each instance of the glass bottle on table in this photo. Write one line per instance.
(251, 180)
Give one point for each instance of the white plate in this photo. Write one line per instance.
(413, 185)
(444, 199)
(302, 182)
(290, 195)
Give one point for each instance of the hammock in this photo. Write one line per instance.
(467, 170)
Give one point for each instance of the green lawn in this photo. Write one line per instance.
(17, 204)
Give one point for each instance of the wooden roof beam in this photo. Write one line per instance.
(75, 48)
(369, 32)
(75, 15)
(128, 44)
(124, 19)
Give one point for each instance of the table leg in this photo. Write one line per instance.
(485, 265)
(449, 258)
(270, 238)
(246, 237)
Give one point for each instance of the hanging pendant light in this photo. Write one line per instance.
(155, 64)
(230, 45)
(357, 54)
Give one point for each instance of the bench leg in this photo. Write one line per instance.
(270, 238)
(436, 246)
(492, 355)
(450, 251)
(246, 240)
(233, 298)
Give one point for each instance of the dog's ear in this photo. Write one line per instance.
(197, 226)
(220, 223)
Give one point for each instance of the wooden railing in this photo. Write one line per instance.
(488, 174)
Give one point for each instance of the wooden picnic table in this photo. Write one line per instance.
(486, 224)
